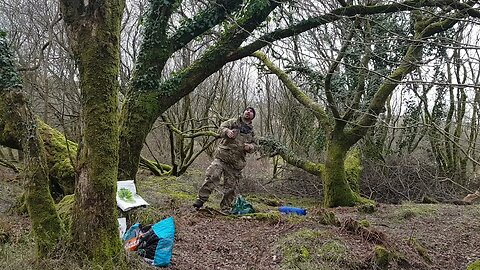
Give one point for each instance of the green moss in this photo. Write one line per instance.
(108, 254)
(64, 210)
(166, 188)
(364, 223)
(474, 266)
(336, 189)
(411, 210)
(333, 250)
(9, 77)
(137, 118)
(313, 249)
(353, 169)
(314, 168)
(60, 154)
(365, 205)
(20, 127)
(382, 257)
(149, 215)
(296, 247)
(266, 200)
(304, 202)
(269, 217)
(94, 223)
(46, 224)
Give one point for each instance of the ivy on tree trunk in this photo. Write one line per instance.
(19, 128)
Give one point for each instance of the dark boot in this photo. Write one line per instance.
(198, 203)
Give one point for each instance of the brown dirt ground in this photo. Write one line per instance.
(449, 233)
(450, 236)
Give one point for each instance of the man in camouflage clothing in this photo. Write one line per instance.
(237, 139)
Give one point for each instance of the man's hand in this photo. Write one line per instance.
(231, 133)
(248, 147)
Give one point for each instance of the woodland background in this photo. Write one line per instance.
(391, 87)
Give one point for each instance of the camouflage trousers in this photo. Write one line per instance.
(231, 178)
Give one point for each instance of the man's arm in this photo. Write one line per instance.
(225, 130)
(251, 146)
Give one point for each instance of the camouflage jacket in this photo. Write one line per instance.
(232, 151)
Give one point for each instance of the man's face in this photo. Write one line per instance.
(248, 114)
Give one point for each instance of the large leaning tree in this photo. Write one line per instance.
(345, 124)
(112, 141)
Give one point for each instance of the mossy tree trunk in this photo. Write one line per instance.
(94, 34)
(18, 128)
(336, 189)
(61, 155)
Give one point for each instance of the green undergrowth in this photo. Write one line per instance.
(383, 257)
(19, 253)
(64, 210)
(410, 210)
(165, 188)
(268, 217)
(314, 249)
(474, 266)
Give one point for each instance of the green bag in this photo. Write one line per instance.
(242, 207)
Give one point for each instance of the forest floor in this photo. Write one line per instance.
(415, 236)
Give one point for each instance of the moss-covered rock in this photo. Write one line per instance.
(382, 257)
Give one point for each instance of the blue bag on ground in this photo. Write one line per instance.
(156, 245)
(292, 210)
(132, 232)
